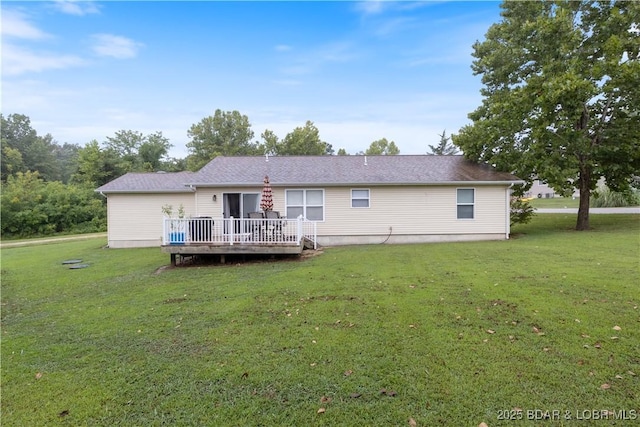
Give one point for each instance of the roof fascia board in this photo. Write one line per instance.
(187, 191)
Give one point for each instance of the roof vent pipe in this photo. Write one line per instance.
(365, 160)
(266, 157)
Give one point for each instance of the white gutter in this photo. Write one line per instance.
(146, 191)
(350, 184)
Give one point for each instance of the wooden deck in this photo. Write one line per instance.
(204, 236)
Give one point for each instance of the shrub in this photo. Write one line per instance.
(521, 211)
(604, 197)
(33, 207)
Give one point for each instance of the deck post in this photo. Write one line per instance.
(173, 260)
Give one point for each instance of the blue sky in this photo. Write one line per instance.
(360, 71)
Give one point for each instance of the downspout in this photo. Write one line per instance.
(195, 199)
(507, 225)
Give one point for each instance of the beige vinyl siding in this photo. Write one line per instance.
(412, 210)
(135, 220)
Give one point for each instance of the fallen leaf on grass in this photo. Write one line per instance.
(633, 374)
(63, 413)
(618, 377)
(347, 373)
(617, 328)
(483, 425)
(325, 399)
(355, 395)
(39, 375)
(321, 411)
(605, 386)
(412, 422)
(491, 331)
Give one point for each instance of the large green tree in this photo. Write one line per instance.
(24, 150)
(97, 165)
(138, 152)
(302, 141)
(226, 133)
(382, 147)
(561, 95)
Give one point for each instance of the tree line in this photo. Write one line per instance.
(49, 187)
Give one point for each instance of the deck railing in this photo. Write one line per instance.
(237, 231)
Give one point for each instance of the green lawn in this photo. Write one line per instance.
(441, 334)
(555, 203)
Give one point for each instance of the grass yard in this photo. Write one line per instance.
(451, 334)
(555, 203)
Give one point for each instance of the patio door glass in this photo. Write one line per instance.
(238, 205)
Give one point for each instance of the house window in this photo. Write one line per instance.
(359, 198)
(465, 202)
(308, 203)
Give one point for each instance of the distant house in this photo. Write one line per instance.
(346, 200)
(540, 189)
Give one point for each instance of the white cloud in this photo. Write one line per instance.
(370, 7)
(17, 60)
(315, 58)
(15, 24)
(73, 7)
(115, 46)
(283, 48)
(395, 25)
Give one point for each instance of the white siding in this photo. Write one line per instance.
(135, 220)
(396, 214)
(413, 210)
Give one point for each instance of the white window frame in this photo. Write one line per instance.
(367, 198)
(459, 204)
(304, 205)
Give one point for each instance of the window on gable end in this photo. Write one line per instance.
(466, 203)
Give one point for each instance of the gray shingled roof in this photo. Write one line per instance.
(314, 170)
(153, 182)
(346, 170)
